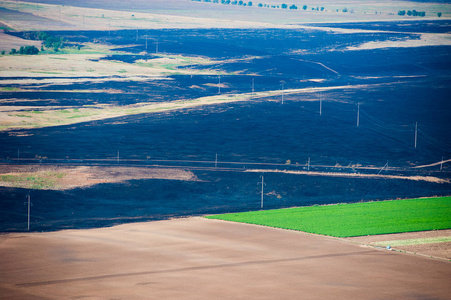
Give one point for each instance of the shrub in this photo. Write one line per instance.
(28, 50)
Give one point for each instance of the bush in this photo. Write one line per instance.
(401, 12)
(439, 14)
(50, 41)
(28, 50)
(13, 51)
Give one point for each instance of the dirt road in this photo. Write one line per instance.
(195, 258)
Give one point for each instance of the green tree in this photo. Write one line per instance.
(293, 7)
(304, 7)
(249, 3)
(13, 51)
(260, 5)
(284, 6)
(3, 52)
(409, 13)
(28, 50)
(401, 12)
(439, 14)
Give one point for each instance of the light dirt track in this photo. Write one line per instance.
(195, 258)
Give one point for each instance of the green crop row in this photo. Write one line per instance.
(357, 219)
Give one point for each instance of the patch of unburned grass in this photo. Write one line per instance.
(395, 243)
(37, 181)
(358, 219)
(46, 72)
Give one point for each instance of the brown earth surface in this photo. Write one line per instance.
(9, 42)
(53, 177)
(196, 258)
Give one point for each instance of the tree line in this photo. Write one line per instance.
(49, 42)
(413, 13)
(24, 50)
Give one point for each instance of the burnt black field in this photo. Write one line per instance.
(400, 87)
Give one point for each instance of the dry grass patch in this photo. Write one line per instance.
(39, 117)
(47, 177)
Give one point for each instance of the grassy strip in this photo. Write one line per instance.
(37, 181)
(394, 243)
(358, 219)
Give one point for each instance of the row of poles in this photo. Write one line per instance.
(262, 183)
(321, 106)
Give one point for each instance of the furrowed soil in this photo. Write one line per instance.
(196, 258)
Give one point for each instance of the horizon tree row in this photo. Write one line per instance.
(414, 13)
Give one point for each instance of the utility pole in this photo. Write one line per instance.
(18, 155)
(261, 205)
(282, 92)
(136, 33)
(29, 206)
(416, 134)
(320, 103)
(118, 156)
(252, 87)
(216, 161)
(441, 165)
(156, 47)
(358, 114)
(308, 164)
(146, 41)
(219, 84)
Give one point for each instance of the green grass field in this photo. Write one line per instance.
(357, 219)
